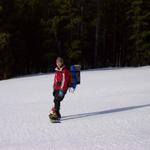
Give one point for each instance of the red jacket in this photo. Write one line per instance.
(61, 79)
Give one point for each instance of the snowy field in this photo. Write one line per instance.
(110, 110)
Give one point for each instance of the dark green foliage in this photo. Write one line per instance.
(6, 59)
(139, 12)
(94, 33)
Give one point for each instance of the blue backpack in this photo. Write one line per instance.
(74, 76)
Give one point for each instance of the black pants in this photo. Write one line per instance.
(57, 100)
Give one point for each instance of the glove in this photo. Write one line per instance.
(60, 93)
(71, 90)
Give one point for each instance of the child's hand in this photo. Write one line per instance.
(61, 93)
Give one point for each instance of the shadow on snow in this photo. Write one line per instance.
(117, 110)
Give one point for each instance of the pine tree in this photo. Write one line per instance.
(140, 32)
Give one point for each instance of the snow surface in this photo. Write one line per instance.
(110, 110)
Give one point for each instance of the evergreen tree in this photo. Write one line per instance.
(139, 12)
(94, 33)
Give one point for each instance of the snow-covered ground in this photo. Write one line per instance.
(110, 110)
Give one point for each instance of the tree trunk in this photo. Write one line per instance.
(97, 34)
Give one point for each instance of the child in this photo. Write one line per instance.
(61, 83)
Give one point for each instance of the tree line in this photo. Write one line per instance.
(93, 33)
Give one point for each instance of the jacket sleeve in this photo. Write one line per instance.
(55, 80)
(65, 79)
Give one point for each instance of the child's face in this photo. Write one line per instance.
(59, 64)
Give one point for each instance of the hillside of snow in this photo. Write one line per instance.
(110, 110)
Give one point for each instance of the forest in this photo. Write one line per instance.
(93, 33)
